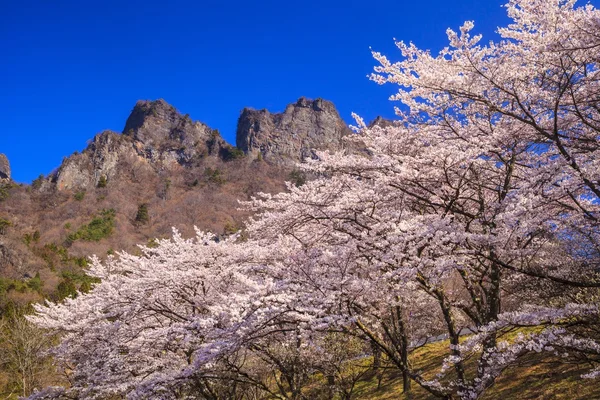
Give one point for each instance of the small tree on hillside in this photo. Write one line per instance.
(4, 225)
(142, 217)
(23, 356)
(102, 182)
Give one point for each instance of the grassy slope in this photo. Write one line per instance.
(537, 378)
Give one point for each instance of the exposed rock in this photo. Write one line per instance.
(289, 137)
(101, 158)
(381, 122)
(183, 170)
(155, 135)
(161, 133)
(4, 167)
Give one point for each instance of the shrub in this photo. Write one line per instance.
(102, 182)
(79, 195)
(298, 178)
(214, 134)
(34, 237)
(5, 191)
(152, 243)
(97, 229)
(230, 228)
(66, 288)
(52, 254)
(37, 183)
(142, 216)
(232, 153)
(80, 261)
(4, 225)
(214, 175)
(35, 283)
(71, 283)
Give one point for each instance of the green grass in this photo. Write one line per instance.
(99, 228)
(538, 377)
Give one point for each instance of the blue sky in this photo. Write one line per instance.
(70, 69)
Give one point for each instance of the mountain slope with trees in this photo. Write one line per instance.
(163, 171)
(460, 246)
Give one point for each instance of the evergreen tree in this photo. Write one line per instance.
(102, 181)
(142, 216)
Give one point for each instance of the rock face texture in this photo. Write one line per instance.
(101, 158)
(156, 136)
(161, 133)
(289, 137)
(4, 167)
(381, 122)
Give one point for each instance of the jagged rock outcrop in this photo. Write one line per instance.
(183, 171)
(161, 133)
(101, 158)
(156, 135)
(289, 137)
(381, 122)
(4, 167)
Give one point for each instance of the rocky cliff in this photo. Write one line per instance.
(381, 122)
(158, 137)
(161, 133)
(100, 159)
(4, 167)
(289, 137)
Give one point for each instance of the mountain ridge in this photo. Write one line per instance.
(157, 133)
(181, 172)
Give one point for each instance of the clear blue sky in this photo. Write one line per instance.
(70, 69)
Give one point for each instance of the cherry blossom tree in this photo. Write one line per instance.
(483, 196)
(476, 212)
(188, 318)
(157, 324)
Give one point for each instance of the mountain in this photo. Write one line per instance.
(155, 136)
(162, 171)
(4, 167)
(287, 138)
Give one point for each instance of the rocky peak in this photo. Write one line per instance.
(291, 136)
(381, 122)
(157, 126)
(155, 134)
(100, 158)
(154, 122)
(4, 167)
